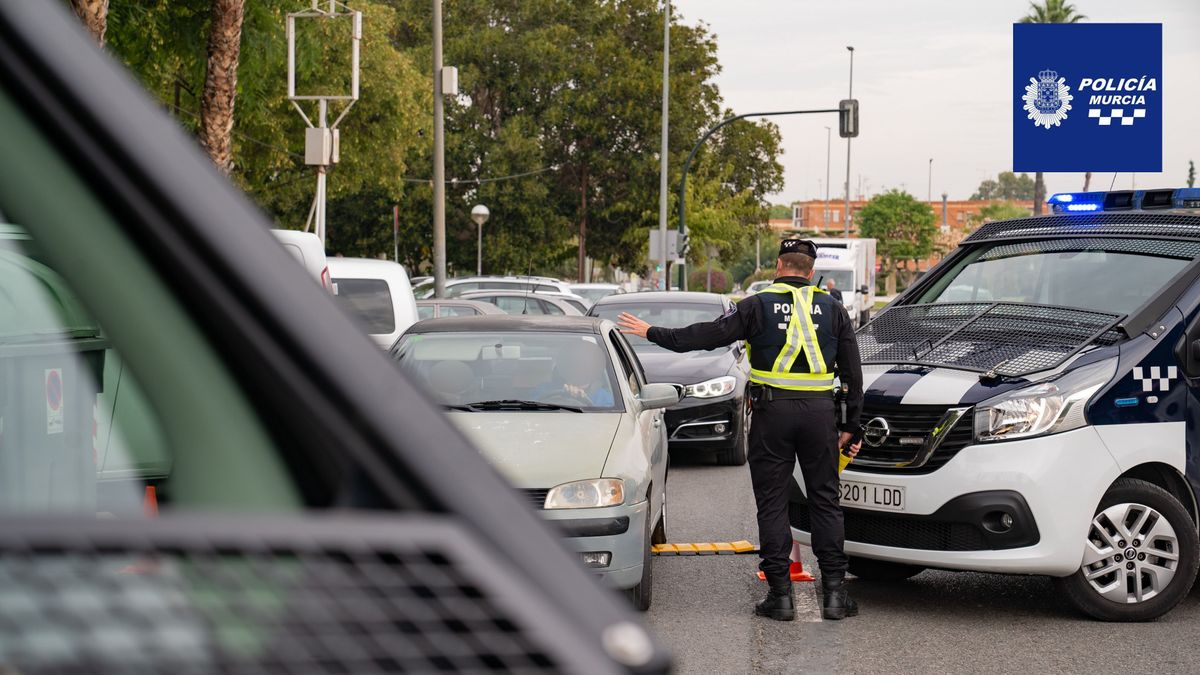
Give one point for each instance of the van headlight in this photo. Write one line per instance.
(718, 386)
(1043, 408)
(587, 494)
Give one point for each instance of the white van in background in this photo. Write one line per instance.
(377, 292)
(850, 263)
(307, 248)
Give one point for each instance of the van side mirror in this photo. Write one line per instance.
(863, 290)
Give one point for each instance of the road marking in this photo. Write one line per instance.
(706, 548)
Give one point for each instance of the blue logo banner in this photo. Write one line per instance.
(1087, 97)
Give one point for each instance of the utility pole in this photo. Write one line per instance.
(439, 160)
(929, 192)
(321, 141)
(846, 222)
(827, 146)
(663, 152)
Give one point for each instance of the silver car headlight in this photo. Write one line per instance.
(1044, 408)
(587, 494)
(718, 386)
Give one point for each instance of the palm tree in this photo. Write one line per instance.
(94, 15)
(1051, 11)
(220, 82)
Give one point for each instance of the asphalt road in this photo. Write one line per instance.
(937, 622)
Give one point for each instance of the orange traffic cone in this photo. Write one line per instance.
(150, 502)
(796, 569)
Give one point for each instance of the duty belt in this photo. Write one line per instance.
(762, 392)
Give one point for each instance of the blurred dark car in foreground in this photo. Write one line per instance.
(314, 511)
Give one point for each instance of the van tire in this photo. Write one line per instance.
(1079, 591)
(882, 570)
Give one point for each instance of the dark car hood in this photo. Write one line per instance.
(686, 368)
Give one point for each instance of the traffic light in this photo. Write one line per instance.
(848, 118)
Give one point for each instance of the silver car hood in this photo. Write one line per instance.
(541, 449)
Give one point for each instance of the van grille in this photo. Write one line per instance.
(912, 422)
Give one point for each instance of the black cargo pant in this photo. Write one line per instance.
(783, 431)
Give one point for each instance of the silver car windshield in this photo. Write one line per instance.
(516, 370)
(1116, 276)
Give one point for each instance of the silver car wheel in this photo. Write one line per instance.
(1131, 555)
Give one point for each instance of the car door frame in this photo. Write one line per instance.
(652, 427)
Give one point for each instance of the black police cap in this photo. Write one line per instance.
(798, 246)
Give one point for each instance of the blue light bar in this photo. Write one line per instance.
(1125, 200)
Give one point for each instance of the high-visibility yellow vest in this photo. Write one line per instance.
(801, 339)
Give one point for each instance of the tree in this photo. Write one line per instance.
(94, 15)
(220, 82)
(1007, 186)
(781, 211)
(1191, 181)
(997, 211)
(903, 227)
(1050, 11)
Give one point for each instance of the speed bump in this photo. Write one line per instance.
(705, 548)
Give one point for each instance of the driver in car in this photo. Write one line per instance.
(580, 376)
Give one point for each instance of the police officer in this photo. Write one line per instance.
(799, 338)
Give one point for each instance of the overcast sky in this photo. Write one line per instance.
(933, 78)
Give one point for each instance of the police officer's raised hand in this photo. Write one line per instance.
(631, 325)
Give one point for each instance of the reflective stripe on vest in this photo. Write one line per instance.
(801, 338)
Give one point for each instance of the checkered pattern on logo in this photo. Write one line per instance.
(1155, 377)
(1115, 113)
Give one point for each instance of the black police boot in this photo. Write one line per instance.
(836, 602)
(778, 605)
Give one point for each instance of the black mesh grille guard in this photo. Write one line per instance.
(1005, 338)
(312, 594)
(1123, 224)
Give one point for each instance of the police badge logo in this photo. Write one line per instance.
(1047, 99)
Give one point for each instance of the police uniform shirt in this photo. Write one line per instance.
(757, 314)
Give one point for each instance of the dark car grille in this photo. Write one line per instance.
(537, 496)
(912, 421)
(358, 595)
(900, 531)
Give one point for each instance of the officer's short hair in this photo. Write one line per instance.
(797, 261)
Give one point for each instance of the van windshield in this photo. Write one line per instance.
(1116, 276)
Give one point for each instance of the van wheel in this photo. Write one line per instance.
(642, 594)
(1140, 558)
(882, 570)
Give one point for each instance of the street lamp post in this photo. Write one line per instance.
(663, 151)
(827, 146)
(479, 214)
(929, 193)
(696, 148)
(439, 160)
(846, 221)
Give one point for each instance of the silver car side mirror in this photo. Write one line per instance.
(659, 395)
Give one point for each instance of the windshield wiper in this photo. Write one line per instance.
(517, 404)
(460, 408)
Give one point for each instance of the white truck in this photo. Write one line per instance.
(850, 264)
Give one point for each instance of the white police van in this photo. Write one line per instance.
(1031, 407)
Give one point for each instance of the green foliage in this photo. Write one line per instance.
(1191, 179)
(721, 281)
(1007, 186)
(997, 211)
(780, 211)
(1052, 11)
(163, 42)
(567, 91)
(904, 228)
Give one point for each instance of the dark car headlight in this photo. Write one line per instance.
(718, 386)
